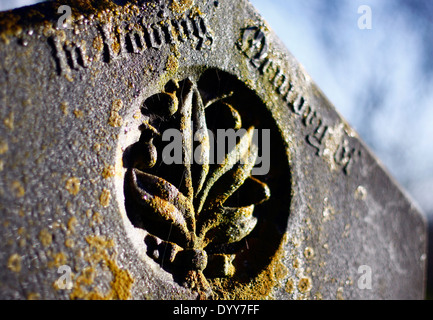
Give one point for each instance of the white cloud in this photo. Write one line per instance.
(12, 4)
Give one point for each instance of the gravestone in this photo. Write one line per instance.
(113, 184)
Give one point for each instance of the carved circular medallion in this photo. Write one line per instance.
(207, 180)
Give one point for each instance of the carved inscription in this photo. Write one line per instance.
(119, 41)
(68, 55)
(253, 44)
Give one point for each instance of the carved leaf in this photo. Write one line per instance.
(227, 225)
(239, 152)
(225, 186)
(209, 206)
(165, 205)
(201, 144)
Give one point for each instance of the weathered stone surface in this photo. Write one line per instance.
(84, 189)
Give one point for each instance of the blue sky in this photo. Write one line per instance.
(10, 4)
(379, 79)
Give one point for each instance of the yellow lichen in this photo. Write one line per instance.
(280, 270)
(137, 114)
(172, 63)
(69, 77)
(45, 237)
(9, 121)
(64, 107)
(71, 224)
(97, 217)
(59, 259)
(78, 113)
(116, 47)
(296, 263)
(22, 240)
(14, 263)
(98, 43)
(73, 185)
(22, 243)
(97, 147)
(339, 295)
(180, 6)
(305, 284)
(260, 287)
(69, 243)
(290, 286)
(108, 172)
(115, 120)
(117, 105)
(195, 12)
(33, 296)
(4, 147)
(309, 253)
(98, 254)
(17, 189)
(104, 198)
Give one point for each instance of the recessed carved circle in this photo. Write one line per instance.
(207, 216)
